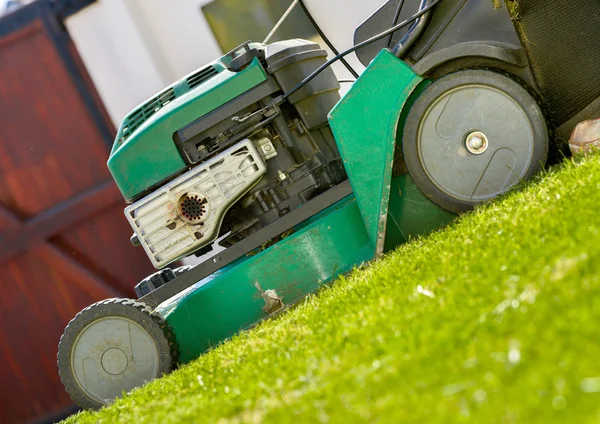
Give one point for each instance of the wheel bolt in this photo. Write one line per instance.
(476, 142)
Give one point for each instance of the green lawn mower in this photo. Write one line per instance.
(256, 160)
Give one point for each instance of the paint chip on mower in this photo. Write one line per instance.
(273, 303)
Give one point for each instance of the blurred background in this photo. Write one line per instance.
(69, 71)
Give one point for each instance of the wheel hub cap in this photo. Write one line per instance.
(112, 355)
(114, 361)
(475, 142)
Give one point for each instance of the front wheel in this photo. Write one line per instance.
(471, 136)
(113, 346)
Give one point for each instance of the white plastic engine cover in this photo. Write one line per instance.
(186, 214)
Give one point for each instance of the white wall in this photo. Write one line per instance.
(134, 48)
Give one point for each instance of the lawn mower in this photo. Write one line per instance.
(258, 159)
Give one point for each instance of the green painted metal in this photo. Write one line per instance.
(365, 124)
(329, 244)
(410, 213)
(148, 156)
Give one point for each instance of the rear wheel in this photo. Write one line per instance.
(113, 346)
(471, 136)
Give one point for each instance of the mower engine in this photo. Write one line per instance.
(248, 161)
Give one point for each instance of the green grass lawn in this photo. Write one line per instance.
(495, 319)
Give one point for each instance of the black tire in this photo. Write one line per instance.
(145, 330)
(437, 157)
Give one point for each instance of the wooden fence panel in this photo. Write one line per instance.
(64, 242)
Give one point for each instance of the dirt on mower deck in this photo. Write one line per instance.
(495, 319)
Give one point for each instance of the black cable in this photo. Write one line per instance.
(358, 46)
(325, 39)
(396, 17)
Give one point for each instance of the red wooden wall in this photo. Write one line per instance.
(64, 241)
